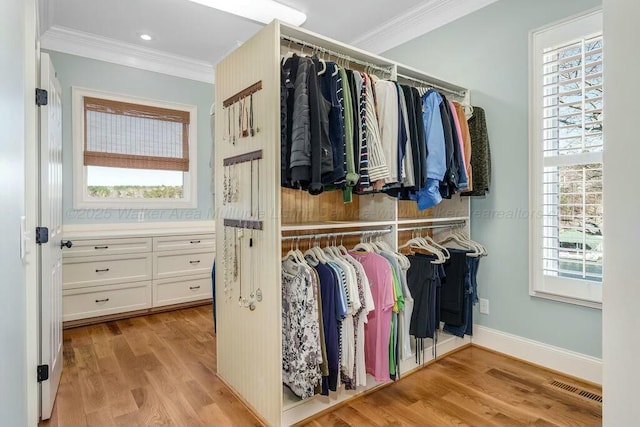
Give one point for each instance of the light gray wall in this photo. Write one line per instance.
(622, 210)
(92, 74)
(13, 403)
(487, 51)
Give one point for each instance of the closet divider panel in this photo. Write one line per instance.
(299, 207)
(249, 341)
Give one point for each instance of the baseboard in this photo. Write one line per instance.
(558, 359)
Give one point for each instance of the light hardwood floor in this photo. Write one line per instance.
(160, 370)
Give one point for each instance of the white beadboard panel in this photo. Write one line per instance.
(249, 342)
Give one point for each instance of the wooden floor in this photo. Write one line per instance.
(160, 370)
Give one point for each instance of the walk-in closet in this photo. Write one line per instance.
(298, 213)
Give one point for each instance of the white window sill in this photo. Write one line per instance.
(566, 299)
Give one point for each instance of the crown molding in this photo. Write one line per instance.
(67, 40)
(415, 22)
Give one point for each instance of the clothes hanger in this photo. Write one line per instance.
(319, 252)
(432, 242)
(335, 70)
(324, 67)
(363, 246)
(419, 243)
(481, 249)
(462, 242)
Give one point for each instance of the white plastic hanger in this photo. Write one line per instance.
(462, 242)
(420, 243)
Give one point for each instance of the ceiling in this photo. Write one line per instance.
(192, 32)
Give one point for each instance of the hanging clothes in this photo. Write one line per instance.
(470, 298)
(301, 352)
(454, 288)
(378, 326)
(463, 181)
(424, 281)
(466, 139)
(480, 153)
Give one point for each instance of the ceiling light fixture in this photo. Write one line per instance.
(146, 37)
(263, 11)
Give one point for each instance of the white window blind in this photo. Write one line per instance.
(566, 153)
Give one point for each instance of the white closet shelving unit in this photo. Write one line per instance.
(249, 342)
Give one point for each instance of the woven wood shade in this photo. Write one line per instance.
(125, 135)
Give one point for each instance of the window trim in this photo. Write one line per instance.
(566, 290)
(80, 196)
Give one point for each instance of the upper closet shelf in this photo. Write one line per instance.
(334, 225)
(432, 220)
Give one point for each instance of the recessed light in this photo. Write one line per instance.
(146, 37)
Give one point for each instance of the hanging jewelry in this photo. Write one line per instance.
(245, 119)
(259, 291)
(252, 303)
(251, 130)
(225, 183)
(232, 129)
(235, 184)
(251, 202)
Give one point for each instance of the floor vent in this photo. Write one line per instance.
(575, 390)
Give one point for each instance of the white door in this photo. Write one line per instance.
(50, 253)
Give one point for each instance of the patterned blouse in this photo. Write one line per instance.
(301, 351)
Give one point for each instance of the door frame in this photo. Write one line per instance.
(32, 268)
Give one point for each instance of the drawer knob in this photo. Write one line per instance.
(195, 241)
(101, 247)
(66, 244)
(195, 262)
(194, 287)
(102, 300)
(102, 270)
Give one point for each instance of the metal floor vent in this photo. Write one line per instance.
(575, 390)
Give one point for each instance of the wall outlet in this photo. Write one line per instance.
(484, 306)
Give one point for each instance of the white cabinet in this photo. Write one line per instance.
(115, 272)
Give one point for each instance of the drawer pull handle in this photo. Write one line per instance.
(194, 287)
(102, 300)
(195, 262)
(102, 270)
(195, 241)
(101, 247)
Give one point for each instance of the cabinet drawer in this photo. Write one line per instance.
(186, 242)
(172, 291)
(107, 247)
(105, 270)
(168, 264)
(103, 300)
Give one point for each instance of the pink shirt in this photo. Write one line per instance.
(377, 330)
(456, 120)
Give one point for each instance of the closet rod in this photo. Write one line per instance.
(303, 43)
(430, 227)
(338, 234)
(435, 86)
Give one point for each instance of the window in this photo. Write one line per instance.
(133, 153)
(566, 161)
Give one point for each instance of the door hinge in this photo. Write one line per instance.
(43, 373)
(42, 235)
(42, 97)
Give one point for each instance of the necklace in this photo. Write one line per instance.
(252, 304)
(259, 291)
(251, 131)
